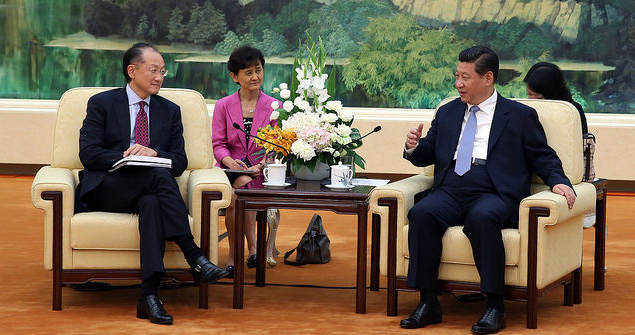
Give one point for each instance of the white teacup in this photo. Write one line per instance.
(275, 173)
(341, 175)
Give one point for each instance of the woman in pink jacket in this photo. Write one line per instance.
(251, 109)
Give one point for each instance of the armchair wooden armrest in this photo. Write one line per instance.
(209, 190)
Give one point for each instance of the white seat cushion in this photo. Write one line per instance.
(460, 251)
(108, 231)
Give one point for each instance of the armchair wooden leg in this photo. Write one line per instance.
(577, 286)
(374, 252)
(568, 293)
(203, 296)
(56, 198)
(532, 265)
(207, 197)
(391, 262)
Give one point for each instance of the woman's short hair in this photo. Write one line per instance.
(547, 79)
(244, 57)
(484, 59)
(135, 55)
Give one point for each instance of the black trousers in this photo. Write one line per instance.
(154, 194)
(471, 201)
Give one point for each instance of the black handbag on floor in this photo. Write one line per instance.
(313, 247)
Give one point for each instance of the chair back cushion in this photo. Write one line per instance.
(72, 111)
(561, 122)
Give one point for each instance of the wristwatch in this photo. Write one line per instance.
(262, 166)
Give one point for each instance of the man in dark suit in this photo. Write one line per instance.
(135, 121)
(484, 149)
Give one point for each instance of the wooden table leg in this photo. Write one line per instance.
(600, 241)
(239, 255)
(362, 235)
(261, 247)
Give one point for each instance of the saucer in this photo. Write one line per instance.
(337, 187)
(275, 186)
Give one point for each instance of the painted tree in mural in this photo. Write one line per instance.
(404, 63)
(620, 85)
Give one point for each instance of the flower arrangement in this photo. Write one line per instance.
(311, 126)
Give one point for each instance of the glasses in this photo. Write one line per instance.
(154, 70)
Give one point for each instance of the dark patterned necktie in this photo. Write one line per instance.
(141, 126)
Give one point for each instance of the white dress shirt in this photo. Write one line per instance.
(484, 117)
(133, 107)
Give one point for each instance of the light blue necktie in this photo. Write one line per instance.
(464, 155)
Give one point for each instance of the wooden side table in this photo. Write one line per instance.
(307, 195)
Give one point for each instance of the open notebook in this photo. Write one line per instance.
(134, 160)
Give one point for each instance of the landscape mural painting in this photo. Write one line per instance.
(399, 53)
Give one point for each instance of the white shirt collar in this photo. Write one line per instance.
(488, 105)
(133, 98)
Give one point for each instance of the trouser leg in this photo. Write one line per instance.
(428, 221)
(484, 219)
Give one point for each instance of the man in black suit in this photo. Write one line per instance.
(135, 121)
(484, 149)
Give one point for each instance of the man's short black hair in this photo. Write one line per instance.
(135, 55)
(244, 57)
(484, 59)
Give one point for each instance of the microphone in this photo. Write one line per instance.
(235, 125)
(376, 129)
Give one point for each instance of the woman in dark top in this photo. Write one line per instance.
(545, 81)
(251, 109)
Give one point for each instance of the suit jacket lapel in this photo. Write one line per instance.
(260, 118)
(499, 121)
(156, 121)
(235, 114)
(122, 114)
(454, 131)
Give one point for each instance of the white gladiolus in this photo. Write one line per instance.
(288, 105)
(284, 86)
(275, 105)
(285, 94)
(304, 84)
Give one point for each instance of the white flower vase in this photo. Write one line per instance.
(321, 171)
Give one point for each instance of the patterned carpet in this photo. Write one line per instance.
(25, 289)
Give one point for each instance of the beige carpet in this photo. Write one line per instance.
(25, 289)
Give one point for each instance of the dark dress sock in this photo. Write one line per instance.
(428, 297)
(151, 285)
(191, 251)
(495, 301)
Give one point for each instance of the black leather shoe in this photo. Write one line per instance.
(206, 272)
(491, 322)
(230, 271)
(423, 315)
(251, 261)
(152, 308)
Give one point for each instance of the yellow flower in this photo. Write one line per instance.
(283, 138)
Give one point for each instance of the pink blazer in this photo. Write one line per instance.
(228, 141)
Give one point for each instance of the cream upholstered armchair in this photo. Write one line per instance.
(546, 249)
(98, 245)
